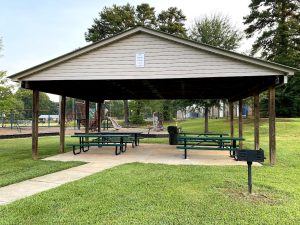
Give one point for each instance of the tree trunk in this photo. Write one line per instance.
(126, 113)
(206, 120)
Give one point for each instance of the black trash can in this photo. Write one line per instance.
(173, 133)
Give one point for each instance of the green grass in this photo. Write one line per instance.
(16, 164)
(161, 194)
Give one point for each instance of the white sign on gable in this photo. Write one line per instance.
(140, 59)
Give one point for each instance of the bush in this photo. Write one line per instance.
(137, 119)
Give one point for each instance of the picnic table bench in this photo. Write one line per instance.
(88, 140)
(205, 143)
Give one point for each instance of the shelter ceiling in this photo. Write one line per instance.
(232, 88)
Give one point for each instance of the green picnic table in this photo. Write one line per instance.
(100, 140)
(203, 143)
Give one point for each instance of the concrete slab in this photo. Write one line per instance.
(152, 153)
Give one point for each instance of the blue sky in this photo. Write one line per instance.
(34, 31)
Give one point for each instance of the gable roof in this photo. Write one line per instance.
(285, 70)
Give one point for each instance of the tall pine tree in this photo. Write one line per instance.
(172, 21)
(277, 24)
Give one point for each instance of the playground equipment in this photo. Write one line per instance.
(78, 115)
(158, 121)
(114, 123)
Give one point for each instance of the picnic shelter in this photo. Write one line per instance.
(142, 63)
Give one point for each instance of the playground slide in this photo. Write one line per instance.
(114, 123)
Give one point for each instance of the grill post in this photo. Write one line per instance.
(249, 177)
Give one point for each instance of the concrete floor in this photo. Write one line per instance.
(99, 159)
(151, 153)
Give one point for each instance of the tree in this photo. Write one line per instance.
(115, 19)
(181, 104)
(145, 16)
(46, 105)
(8, 102)
(277, 25)
(206, 104)
(110, 22)
(216, 30)
(172, 21)
(126, 113)
(137, 111)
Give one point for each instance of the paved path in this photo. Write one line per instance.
(36, 185)
(99, 160)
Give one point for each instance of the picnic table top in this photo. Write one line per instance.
(120, 132)
(210, 138)
(100, 135)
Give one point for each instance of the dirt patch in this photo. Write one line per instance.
(256, 197)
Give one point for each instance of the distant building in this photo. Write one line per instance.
(46, 118)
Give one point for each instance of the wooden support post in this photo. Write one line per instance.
(272, 133)
(35, 123)
(62, 116)
(99, 115)
(241, 123)
(256, 121)
(87, 116)
(206, 119)
(231, 119)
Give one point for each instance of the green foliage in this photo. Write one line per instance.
(172, 21)
(168, 110)
(137, 108)
(145, 16)
(46, 105)
(277, 25)
(8, 101)
(117, 108)
(115, 19)
(216, 30)
(136, 119)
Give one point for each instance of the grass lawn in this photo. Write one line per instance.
(161, 194)
(16, 164)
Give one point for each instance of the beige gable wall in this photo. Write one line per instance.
(163, 59)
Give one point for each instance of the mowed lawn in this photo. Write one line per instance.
(16, 164)
(162, 194)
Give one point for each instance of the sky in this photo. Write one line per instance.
(35, 31)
